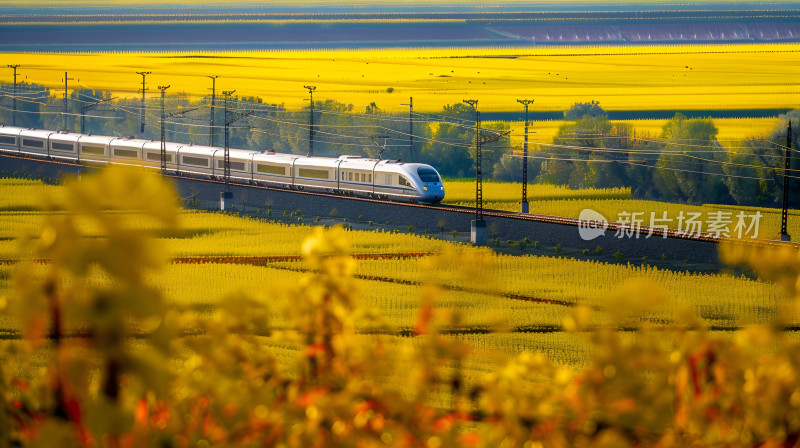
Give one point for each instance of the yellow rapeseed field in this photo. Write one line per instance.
(620, 78)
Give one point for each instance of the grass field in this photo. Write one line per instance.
(621, 78)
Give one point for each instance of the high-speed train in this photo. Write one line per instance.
(352, 175)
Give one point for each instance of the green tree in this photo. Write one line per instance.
(580, 110)
(597, 148)
(689, 165)
(762, 158)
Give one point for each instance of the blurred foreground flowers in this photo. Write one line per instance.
(103, 361)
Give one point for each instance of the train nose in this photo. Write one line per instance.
(434, 192)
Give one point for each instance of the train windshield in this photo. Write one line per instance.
(428, 174)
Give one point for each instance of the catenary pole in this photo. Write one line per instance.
(784, 236)
(141, 107)
(212, 129)
(66, 98)
(14, 111)
(311, 90)
(410, 128)
(163, 89)
(524, 203)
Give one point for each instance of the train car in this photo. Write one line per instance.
(318, 172)
(196, 159)
(34, 141)
(390, 179)
(95, 148)
(127, 151)
(151, 154)
(9, 138)
(273, 167)
(241, 163)
(357, 174)
(64, 145)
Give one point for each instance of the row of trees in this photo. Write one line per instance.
(685, 162)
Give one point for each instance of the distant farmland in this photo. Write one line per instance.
(152, 27)
(684, 77)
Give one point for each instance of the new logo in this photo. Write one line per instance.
(591, 224)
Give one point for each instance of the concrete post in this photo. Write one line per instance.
(225, 200)
(478, 232)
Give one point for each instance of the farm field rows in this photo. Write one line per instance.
(745, 76)
(505, 303)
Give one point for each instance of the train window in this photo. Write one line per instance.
(156, 157)
(314, 174)
(33, 143)
(197, 161)
(387, 179)
(58, 146)
(132, 153)
(404, 181)
(236, 166)
(90, 149)
(428, 174)
(350, 177)
(369, 177)
(270, 169)
(6, 140)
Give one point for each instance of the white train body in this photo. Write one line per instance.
(352, 175)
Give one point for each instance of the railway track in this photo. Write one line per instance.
(638, 231)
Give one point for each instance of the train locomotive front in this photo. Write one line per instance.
(430, 187)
